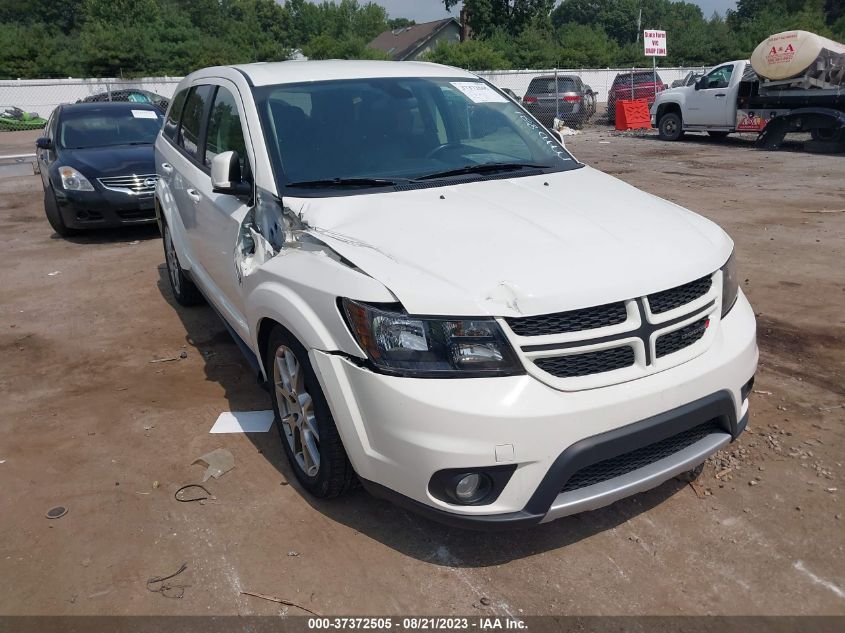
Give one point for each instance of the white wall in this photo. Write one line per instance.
(42, 95)
(599, 79)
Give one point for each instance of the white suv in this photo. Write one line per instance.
(445, 304)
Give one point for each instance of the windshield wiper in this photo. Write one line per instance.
(344, 182)
(482, 168)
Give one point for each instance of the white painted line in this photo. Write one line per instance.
(799, 565)
(16, 156)
(243, 422)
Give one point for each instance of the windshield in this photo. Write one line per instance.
(85, 128)
(385, 131)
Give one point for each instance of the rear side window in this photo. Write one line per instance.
(189, 132)
(224, 128)
(171, 126)
(547, 84)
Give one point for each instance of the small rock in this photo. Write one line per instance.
(155, 485)
(86, 562)
(293, 553)
(183, 354)
(485, 601)
(753, 482)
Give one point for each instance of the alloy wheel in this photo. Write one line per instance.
(172, 261)
(296, 410)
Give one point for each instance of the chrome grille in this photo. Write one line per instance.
(587, 363)
(666, 300)
(570, 321)
(138, 185)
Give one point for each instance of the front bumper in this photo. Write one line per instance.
(103, 208)
(398, 432)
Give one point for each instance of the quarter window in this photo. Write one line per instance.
(189, 132)
(171, 126)
(224, 128)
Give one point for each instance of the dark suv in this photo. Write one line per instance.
(573, 101)
(644, 87)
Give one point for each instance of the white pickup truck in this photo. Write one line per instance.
(733, 98)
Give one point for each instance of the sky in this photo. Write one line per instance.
(428, 10)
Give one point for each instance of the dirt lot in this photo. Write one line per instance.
(89, 422)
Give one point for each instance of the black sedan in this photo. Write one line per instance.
(97, 165)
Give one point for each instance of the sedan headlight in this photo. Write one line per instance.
(730, 285)
(72, 180)
(397, 343)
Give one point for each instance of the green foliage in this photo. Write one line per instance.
(476, 54)
(55, 38)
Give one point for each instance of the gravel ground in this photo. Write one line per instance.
(87, 421)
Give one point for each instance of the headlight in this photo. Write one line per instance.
(730, 285)
(431, 347)
(72, 180)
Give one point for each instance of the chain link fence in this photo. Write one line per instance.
(25, 104)
(587, 98)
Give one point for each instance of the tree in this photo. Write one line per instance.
(471, 54)
(513, 16)
(400, 23)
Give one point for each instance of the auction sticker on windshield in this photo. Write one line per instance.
(144, 114)
(479, 92)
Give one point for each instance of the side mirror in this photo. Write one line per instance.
(701, 83)
(44, 142)
(226, 175)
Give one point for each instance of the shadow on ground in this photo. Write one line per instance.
(122, 234)
(396, 528)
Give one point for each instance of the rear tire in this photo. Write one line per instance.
(310, 439)
(184, 290)
(54, 217)
(827, 135)
(670, 128)
(718, 135)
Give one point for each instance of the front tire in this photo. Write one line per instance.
(54, 216)
(670, 128)
(184, 290)
(309, 435)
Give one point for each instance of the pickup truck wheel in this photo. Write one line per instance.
(827, 135)
(717, 134)
(184, 290)
(669, 127)
(309, 435)
(54, 217)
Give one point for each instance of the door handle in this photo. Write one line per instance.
(721, 94)
(193, 194)
(166, 168)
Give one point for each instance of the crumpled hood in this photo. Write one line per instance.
(518, 246)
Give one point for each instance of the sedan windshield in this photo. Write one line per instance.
(84, 128)
(367, 133)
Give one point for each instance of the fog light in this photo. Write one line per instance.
(468, 487)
